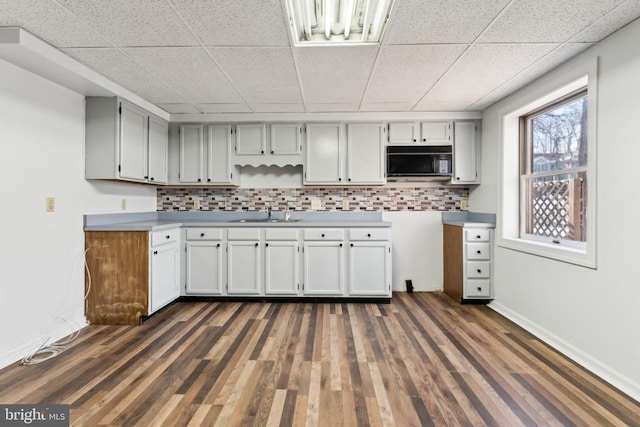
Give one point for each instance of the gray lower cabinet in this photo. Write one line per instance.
(283, 261)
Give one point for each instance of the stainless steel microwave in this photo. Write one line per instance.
(418, 160)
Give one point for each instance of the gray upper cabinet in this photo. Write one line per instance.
(219, 147)
(285, 139)
(323, 163)
(251, 139)
(465, 153)
(191, 154)
(422, 133)
(365, 153)
(124, 142)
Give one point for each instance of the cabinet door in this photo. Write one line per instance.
(369, 268)
(250, 139)
(404, 133)
(464, 153)
(323, 268)
(191, 154)
(243, 268)
(285, 139)
(281, 268)
(133, 143)
(219, 154)
(164, 276)
(435, 133)
(158, 150)
(324, 153)
(204, 268)
(365, 153)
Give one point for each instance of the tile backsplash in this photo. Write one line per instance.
(435, 198)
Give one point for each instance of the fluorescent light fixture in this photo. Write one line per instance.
(338, 22)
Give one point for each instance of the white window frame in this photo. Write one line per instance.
(509, 233)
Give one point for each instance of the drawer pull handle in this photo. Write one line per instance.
(168, 237)
(322, 235)
(479, 288)
(478, 251)
(369, 235)
(479, 271)
(201, 234)
(478, 236)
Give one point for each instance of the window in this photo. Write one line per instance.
(548, 167)
(553, 180)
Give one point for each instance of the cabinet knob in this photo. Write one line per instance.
(167, 236)
(479, 271)
(151, 178)
(208, 179)
(414, 139)
(218, 245)
(477, 236)
(479, 288)
(368, 234)
(199, 180)
(146, 177)
(201, 234)
(262, 152)
(266, 244)
(424, 139)
(349, 179)
(478, 251)
(322, 235)
(271, 151)
(155, 252)
(351, 245)
(340, 244)
(257, 244)
(457, 178)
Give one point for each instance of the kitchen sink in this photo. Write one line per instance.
(267, 220)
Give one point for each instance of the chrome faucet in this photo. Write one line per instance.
(269, 212)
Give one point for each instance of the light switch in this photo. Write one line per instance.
(316, 204)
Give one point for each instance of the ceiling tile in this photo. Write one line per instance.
(613, 21)
(278, 108)
(545, 64)
(405, 73)
(235, 23)
(224, 108)
(50, 22)
(387, 106)
(440, 21)
(133, 23)
(529, 21)
(263, 75)
(121, 69)
(205, 84)
(443, 106)
(179, 108)
(334, 74)
(482, 69)
(328, 108)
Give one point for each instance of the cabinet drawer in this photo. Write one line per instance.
(243, 234)
(204, 234)
(281, 234)
(476, 234)
(323, 234)
(165, 236)
(478, 270)
(475, 288)
(477, 251)
(369, 234)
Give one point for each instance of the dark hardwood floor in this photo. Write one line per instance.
(421, 360)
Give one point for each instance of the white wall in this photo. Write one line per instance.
(417, 249)
(41, 269)
(591, 315)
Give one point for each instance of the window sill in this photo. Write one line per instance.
(555, 252)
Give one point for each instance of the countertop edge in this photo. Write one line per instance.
(149, 226)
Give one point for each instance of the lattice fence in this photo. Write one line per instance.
(557, 209)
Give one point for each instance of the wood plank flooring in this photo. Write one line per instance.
(422, 360)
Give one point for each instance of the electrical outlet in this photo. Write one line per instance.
(123, 204)
(51, 204)
(316, 204)
(464, 204)
(345, 204)
(196, 204)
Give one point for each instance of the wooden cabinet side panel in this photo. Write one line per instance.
(119, 267)
(453, 268)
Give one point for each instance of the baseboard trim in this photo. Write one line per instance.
(25, 350)
(617, 380)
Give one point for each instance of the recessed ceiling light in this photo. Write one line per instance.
(338, 22)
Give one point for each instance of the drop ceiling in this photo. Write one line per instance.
(236, 56)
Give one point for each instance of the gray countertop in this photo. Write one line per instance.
(469, 219)
(153, 221)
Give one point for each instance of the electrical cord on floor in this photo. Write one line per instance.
(46, 352)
